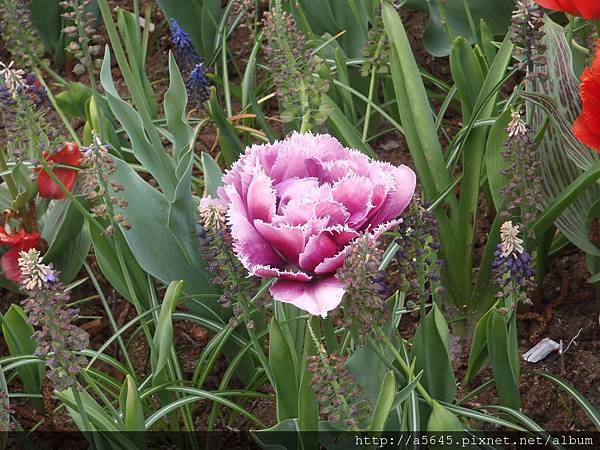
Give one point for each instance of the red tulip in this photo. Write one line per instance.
(19, 242)
(70, 155)
(590, 9)
(587, 125)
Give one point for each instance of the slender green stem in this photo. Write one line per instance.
(226, 86)
(109, 314)
(87, 428)
(405, 367)
(444, 20)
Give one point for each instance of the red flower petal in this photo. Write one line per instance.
(10, 260)
(70, 155)
(587, 126)
(566, 6)
(590, 9)
(11, 239)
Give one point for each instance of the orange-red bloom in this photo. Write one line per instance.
(17, 243)
(69, 155)
(587, 125)
(590, 9)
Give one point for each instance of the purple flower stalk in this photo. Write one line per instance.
(197, 85)
(512, 269)
(294, 208)
(57, 337)
(184, 50)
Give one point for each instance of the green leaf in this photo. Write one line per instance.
(132, 40)
(106, 255)
(285, 373)
(131, 406)
(147, 211)
(18, 336)
(467, 75)
(163, 336)
(478, 358)
(213, 175)
(442, 420)
(414, 107)
(344, 130)
(72, 100)
(507, 383)
(151, 155)
(430, 349)
(497, 15)
(175, 103)
(495, 163)
(563, 157)
(589, 409)
(385, 400)
(279, 437)
(229, 142)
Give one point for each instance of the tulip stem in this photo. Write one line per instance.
(405, 367)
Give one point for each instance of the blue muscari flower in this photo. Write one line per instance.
(184, 50)
(197, 85)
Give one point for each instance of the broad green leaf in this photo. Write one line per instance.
(495, 163)
(430, 349)
(152, 157)
(442, 420)
(478, 358)
(285, 373)
(385, 400)
(163, 258)
(72, 100)
(467, 75)
(563, 157)
(497, 15)
(507, 384)
(18, 336)
(131, 406)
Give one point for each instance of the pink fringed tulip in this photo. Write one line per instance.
(294, 207)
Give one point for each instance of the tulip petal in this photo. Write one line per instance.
(287, 240)
(69, 155)
(249, 245)
(318, 247)
(261, 198)
(398, 198)
(271, 272)
(589, 9)
(585, 135)
(316, 297)
(355, 193)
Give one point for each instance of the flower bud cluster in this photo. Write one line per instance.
(6, 412)
(226, 269)
(528, 35)
(418, 256)
(376, 51)
(244, 12)
(23, 110)
(99, 187)
(523, 193)
(364, 302)
(85, 44)
(19, 34)
(336, 390)
(58, 339)
(512, 266)
(191, 65)
(294, 67)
